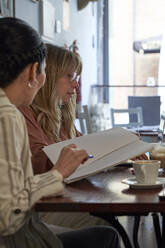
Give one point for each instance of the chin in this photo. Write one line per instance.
(65, 101)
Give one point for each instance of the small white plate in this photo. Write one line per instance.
(135, 185)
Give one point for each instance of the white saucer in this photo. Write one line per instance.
(135, 185)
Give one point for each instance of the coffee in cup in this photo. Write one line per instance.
(146, 171)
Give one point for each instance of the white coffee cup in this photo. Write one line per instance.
(146, 171)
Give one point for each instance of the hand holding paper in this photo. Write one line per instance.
(70, 158)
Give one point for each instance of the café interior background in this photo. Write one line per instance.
(105, 31)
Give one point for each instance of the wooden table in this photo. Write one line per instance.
(104, 195)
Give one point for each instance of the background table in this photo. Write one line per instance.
(150, 137)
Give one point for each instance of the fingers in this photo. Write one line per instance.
(138, 134)
(81, 155)
(71, 146)
(70, 158)
(141, 157)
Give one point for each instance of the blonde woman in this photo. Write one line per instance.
(50, 119)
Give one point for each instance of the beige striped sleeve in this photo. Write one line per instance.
(19, 188)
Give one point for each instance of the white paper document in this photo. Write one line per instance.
(109, 148)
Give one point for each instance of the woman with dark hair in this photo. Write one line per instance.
(22, 74)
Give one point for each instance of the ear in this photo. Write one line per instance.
(33, 73)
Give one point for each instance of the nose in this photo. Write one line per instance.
(75, 84)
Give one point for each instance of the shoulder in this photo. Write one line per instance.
(26, 111)
(29, 115)
(10, 116)
(10, 111)
(6, 107)
(12, 121)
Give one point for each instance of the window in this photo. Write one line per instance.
(130, 72)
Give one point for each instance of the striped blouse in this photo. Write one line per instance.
(19, 188)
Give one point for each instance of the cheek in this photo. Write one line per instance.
(62, 88)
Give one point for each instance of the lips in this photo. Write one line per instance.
(70, 93)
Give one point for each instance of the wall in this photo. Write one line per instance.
(82, 29)
(28, 11)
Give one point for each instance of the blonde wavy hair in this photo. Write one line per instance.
(51, 114)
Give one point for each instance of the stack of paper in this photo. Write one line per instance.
(109, 148)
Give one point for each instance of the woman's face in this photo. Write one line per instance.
(66, 86)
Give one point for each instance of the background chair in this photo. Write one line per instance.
(118, 115)
(161, 128)
(150, 108)
(84, 119)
